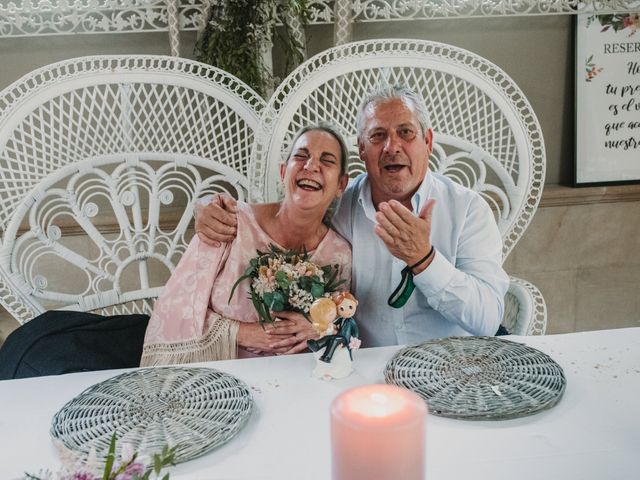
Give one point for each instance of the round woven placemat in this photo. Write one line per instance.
(193, 409)
(478, 378)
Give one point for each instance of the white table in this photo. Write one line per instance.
(593, 433)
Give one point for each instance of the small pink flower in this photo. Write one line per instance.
(132, 470)
(628, 21)
(355, 343)
(83, 476)
(136, 468)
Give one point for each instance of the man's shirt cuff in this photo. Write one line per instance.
(435, 278)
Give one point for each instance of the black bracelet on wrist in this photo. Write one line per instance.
(401, 294)
(423, 259)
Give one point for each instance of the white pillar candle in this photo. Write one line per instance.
(378, 432)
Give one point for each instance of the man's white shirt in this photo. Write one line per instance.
(460, 293)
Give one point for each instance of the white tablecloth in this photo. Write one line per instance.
(593, 433)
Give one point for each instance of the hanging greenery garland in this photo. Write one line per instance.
(237, 31)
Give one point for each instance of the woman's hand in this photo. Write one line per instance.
(255, 338)
(296, 326)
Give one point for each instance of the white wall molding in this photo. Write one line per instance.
(386, 10)
(63, 17)
(561, 196)
(24, 18)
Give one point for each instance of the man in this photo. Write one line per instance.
(407, 227)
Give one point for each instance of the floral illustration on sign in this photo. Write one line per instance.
(618, 22)
(591, 69)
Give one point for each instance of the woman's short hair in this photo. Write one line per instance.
(331, 130)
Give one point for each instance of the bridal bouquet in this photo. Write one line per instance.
(287, 281)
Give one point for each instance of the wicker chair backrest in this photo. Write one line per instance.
(114, 149)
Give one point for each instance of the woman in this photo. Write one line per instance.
(194, 320)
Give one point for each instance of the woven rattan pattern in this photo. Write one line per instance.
(478, 378)
(195, 409)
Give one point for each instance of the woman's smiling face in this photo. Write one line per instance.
(313, 175)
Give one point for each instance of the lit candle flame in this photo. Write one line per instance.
(376, 404)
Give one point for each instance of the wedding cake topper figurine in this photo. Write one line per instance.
(334, 318)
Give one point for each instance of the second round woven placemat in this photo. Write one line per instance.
(478, 378)
(193, 409)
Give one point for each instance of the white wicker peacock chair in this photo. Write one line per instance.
(486, 134)
(108, 147)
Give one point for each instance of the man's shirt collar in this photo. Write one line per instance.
(417, 201)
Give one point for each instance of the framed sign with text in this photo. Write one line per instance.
(607, 99)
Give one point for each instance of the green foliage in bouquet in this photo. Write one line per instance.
(287, 281)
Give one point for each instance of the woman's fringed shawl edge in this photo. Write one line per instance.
(219, 343)
(182, 327)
